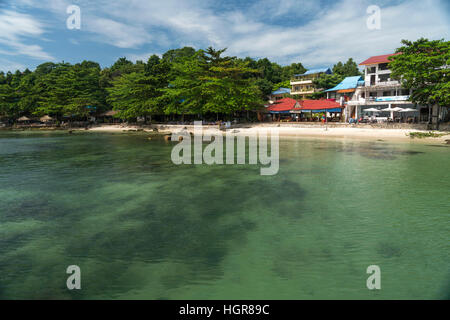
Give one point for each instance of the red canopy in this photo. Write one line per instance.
(284, 104)
(318, 105)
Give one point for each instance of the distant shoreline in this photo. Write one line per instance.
(332, 131)
(301, 131)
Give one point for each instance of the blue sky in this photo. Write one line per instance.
(317, 33)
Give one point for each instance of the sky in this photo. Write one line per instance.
(317, 33)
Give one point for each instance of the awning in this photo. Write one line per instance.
(316, 110)
(277, 112)
(346, 90)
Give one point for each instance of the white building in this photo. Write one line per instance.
(379, 91)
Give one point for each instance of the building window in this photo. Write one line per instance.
(383, 77)
(383, 66)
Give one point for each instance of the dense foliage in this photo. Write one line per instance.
(423, 66)
(340, 71)
(182, 81)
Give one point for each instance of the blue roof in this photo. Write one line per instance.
(347, 83)
(282, 91)
(314, 71)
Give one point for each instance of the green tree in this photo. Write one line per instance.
(212, 83)
(348, 69)
(139, 94)
(175, 55)
(423, 66)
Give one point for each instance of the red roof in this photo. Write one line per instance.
(284, 104)
(378, 59)
(318, 104)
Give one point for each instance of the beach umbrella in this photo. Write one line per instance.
(372, 110)
(409, 110)
(46, 118)
(23, 119)
(397, 109)
(387, 109)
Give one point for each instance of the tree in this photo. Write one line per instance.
(139, 94)
(211, 83)
(423, 66)
(348, 69)
(328, 81)
(175, 55)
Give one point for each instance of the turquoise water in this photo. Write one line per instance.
(141, 227)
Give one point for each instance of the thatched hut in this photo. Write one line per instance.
(46, 118)
(23, 119)
(108, 116)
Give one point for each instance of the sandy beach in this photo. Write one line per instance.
(287, 132)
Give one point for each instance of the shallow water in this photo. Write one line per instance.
(141, 227)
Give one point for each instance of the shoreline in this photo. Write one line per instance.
(368, 134)
(290, 132)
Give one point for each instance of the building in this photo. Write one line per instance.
(379, 91)
(279, 94)
(302, 84)
(344, 91)
(281, 108)
(292, 110)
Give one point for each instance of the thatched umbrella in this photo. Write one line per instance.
(109, 113)
(46, 118)
(23, 119)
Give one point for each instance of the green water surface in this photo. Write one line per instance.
(140, 227)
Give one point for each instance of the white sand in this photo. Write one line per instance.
(292, 132)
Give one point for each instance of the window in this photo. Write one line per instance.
(384, 77)
(383, 66)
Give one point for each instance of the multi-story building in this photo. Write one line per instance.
(379, 91)
(302, 84)
(344, 91)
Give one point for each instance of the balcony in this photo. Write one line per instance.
(304, 91)
(301, 81)
(380, 100)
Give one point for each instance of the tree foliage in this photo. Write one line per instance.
(423, 66)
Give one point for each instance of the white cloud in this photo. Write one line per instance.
(118, 34)
(15, 28)
(315, 34)
(143, 56)
(8, 65)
